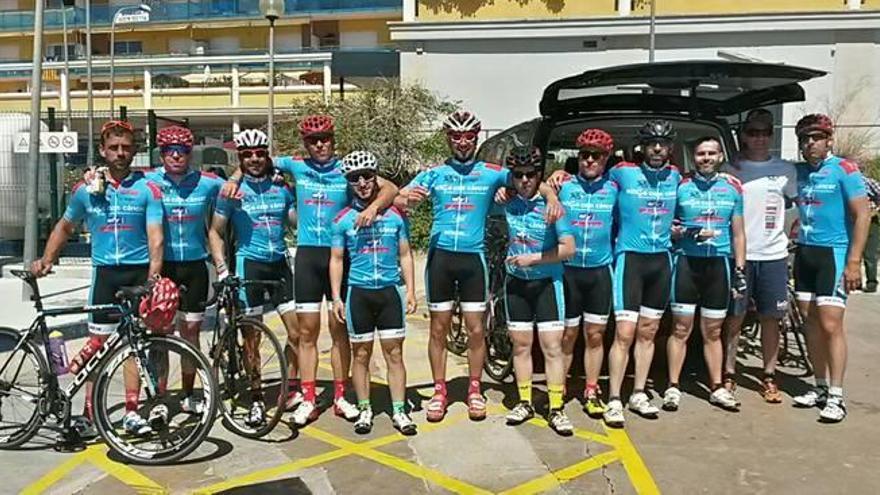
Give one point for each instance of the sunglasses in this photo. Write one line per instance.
(313, 140)
(259, 153)
(113, 124)
(591, 154)
(180, 149)
(527, 175)
(758, 132)
(356, 178)
(815, 136)
(459, 137)
(654, 142)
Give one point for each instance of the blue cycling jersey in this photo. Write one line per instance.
(321, 193)
(187, 205)
(709, 204)
(589, 213)
(823, 195)
(529, 233)
(462, 196)
(374, 251)
(259, 218)
(118, 219)
(645, 206)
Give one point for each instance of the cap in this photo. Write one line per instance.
(759, 118)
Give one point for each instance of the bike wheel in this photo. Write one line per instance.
(456, 339)
(23, 383)
(499, 348)
(240, 385)
(175, 432)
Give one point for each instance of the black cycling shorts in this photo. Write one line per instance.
(193, 275)
(258, 299)
(641, 285)
(531, 302)
(818, 275)
(448, 271)
(312, 267)
(587, 294)
(371, 311)
(106, 281)
(703, 282)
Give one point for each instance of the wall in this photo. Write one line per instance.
(503, 94)
(378, 26)
(450, 10)
(672, 7)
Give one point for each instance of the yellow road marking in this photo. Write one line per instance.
(421, 472)
(125, 474)
(636, 469)
(55, 475)
(564, 475)
(274, 472)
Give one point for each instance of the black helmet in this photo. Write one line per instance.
(656, 129)
(524, 156)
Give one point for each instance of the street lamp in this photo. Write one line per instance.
(272, 10)
(122, 10)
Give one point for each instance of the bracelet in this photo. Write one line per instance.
(337, 300)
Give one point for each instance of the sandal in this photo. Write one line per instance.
(771, 392)
(476, 407)
(436, 408)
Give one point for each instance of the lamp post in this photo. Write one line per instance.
(31, 220)
(122, 10)
(90, 102)
(272, 10)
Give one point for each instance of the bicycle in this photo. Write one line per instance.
(30, 390)
(239, 384)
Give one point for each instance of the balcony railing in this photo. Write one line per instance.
(204, 10)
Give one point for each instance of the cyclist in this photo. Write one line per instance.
(769, 187)
(124, 218)
(533, 288)
(321, 193)
(589, 198)
(375, 302)
(461, 190)
(258, 216)
(834, 216)
(710, 225)
(187, 199)
(643, 263)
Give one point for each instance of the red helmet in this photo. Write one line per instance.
(814, 122)
(174, 135)
(159, 307)
(316, 124)
(596, 138)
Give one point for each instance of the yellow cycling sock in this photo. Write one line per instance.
(555, 393)
(525, 391)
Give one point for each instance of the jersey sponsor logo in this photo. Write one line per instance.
(460, 203)
(131, 192)
(523, 239)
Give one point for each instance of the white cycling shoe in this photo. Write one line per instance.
(613, 414)
(641, 405)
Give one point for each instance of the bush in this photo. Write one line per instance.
(394, 122)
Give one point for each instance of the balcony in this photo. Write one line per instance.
(165, 12)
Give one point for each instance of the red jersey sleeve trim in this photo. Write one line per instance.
(493, 166)
(77, 186)
(156, 190)
(341, 214)
(849, 167)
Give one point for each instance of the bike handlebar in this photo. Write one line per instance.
(232, 282)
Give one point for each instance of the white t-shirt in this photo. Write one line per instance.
(765, 187)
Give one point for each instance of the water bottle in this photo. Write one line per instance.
(92, 345)
(57, 353)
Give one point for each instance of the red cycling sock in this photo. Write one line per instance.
(131, 400)
(474, 385)
(293, 384)
(440, 387)
(338, 389)
(309, 391)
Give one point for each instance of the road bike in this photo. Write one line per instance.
(31, 395)
(248, 360)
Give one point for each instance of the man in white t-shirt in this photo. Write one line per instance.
(769, 186)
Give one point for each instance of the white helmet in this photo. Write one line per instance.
(462, 121)
(251, 138)
(357, 161)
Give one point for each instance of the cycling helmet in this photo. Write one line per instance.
(251, 138)
(524, 156)
(596, 138)
(158, 308)
(316, 124)
(656, 129)
(357, 161)
(814, 122)
(174, 135)
(462, 121)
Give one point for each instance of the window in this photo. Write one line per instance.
(56, 52)
(128, 47)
